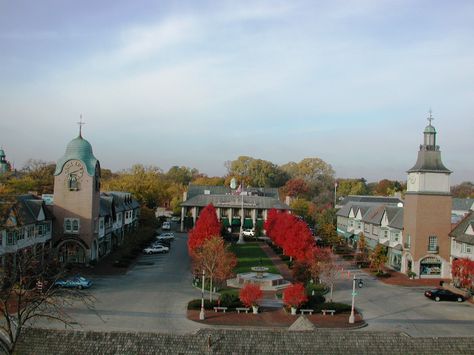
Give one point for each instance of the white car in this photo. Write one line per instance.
(165, 236)
(175, 219)
(156, 250)
(166, 226)
(248, 233)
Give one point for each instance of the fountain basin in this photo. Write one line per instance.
(266, 281)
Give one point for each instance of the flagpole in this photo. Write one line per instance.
(335, 193)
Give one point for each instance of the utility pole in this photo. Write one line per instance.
(354, 293)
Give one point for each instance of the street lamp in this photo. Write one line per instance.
(201, 314)
(354, 293)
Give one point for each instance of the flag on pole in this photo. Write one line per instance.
(239, 190)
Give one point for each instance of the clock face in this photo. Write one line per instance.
(74, 168)
(412, 179)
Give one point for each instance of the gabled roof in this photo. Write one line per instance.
(374, 215)
(458, 232)
(106, 206)
(26, 209)
(344, 211)
(395, 217)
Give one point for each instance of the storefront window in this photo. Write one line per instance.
(430, 266)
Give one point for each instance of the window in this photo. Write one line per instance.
(466, 248)
(31, 231)
(101, 224)
(73, 184)
(408, 240)
(385, 233)
(21, 233)
(40, 230)
(432, 243)
(10, 240)
(71, 225)
(75, 226)
(47, 227)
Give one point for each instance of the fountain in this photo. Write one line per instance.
(259, 276)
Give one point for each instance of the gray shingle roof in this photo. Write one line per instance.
(396, 220)
(195, 190)
(26, 208)
(235, 201)
(371, 199)
(458, 232)
(429, 161)
(463, 204)
(374, 215)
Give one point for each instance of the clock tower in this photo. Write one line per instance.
(427, 212)
(76, 202)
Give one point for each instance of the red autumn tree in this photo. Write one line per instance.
(214, 257)
(250, 294)
(295, 295)
(463, 272)
(269, 224)
(206, 226)
(296, 188)
(298, 240)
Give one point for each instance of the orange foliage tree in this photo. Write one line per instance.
(214, 257)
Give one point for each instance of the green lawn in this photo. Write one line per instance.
(250, 254)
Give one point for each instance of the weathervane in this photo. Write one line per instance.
(80, 123)
(430, 118)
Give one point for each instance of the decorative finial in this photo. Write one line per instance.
(80, 123)
(430, 117)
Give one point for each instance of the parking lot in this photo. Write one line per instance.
(151, 296)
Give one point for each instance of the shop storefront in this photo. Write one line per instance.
(430, 267)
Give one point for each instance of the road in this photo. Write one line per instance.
(151, 297)
(406, 309)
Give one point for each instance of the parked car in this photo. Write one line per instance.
(440, 294)
(160, 244)
(156, 250)
(248, 233)
(77, 281)
(175, 219)
(165, 236)
(166, 226)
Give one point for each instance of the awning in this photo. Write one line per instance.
(248, 223)
(236, 221)
(344, 234)
(430, 260)
(225, 222)
(259, 223)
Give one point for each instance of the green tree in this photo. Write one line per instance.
(362, 250)
(256, 172)
(304, 209)
(181, 174)
(348, 187)
(147, 184)
(318, 174)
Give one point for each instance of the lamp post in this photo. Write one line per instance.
(201, 314)
(354, 293)
(241, 234)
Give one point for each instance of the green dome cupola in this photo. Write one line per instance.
(78, 149)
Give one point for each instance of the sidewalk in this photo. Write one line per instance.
(279, 264)
(272, 318)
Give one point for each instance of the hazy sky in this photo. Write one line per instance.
(197, 83)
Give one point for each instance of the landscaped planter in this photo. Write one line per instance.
(293, 311)
(255, 309)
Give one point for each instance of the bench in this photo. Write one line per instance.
(324, 311)
(310, 311)
(217, 309)
(242, 309)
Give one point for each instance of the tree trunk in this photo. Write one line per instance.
(210, 289)
(332, 287)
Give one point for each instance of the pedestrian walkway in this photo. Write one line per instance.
(276, 260)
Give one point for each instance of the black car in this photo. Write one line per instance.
(440, 294)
